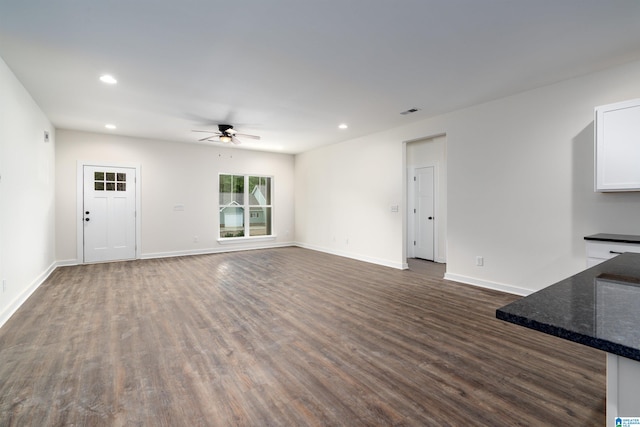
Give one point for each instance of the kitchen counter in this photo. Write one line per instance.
(619, 238)
(600, 308)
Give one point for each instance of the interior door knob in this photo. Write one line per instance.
(430, 217)
(86, 219)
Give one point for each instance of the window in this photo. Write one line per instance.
(245, 206)
(109, 181)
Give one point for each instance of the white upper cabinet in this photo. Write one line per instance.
(617, 157)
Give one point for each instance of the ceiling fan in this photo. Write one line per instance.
(225, 133)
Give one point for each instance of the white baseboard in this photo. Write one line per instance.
(386, 263)
(208, 251)
(489, 285)
(20, 299)
(67, 263)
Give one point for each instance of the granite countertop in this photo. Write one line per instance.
(619, 238)
(599, 307)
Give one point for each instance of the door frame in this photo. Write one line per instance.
(411, 203)
(80, 164)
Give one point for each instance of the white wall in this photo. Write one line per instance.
(520, 186)
(27, 247)
(344, 194)
(171, 174)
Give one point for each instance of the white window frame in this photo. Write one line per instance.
(247, 210)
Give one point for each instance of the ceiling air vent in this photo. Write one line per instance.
(409, 111)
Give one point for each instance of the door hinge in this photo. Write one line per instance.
(414, 211)
(414, 243)
(414, 178)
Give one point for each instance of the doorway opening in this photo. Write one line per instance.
(426, 199)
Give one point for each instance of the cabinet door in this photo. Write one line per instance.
(617, 128)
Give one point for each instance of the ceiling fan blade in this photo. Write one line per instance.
(208, 131)
(205, 138)
(235, 140)
(244, 135)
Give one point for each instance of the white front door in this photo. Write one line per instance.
(424, 217)
(109, 213)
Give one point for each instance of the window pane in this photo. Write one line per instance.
(111, 176)
(231, 221)
(231, 190)
(259, 190)
(98, 176)
(121, 177)
(260, 221)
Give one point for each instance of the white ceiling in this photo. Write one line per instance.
(292, 70)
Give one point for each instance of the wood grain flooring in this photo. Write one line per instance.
(283, 337)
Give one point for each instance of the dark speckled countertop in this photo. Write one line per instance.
(618, 238)
(599, 307)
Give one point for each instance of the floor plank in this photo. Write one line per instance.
(283, 337)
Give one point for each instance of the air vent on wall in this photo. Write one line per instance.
(410, 111)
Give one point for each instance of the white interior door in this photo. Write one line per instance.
(109, 213)
(424, 216)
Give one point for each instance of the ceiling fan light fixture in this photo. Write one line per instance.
(225, 138)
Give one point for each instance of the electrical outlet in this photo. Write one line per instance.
(479, 261)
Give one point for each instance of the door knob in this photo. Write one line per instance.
(87, 213)
(86, 219)
(430, 217)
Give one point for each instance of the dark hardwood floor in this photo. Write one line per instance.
(283, 337)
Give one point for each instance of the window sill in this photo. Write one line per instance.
(232, 240)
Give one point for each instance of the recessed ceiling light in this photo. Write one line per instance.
(110, 126)
(109, 79)
(343, 126)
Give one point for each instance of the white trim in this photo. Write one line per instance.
(20, 299)
(613, 371)
(385, 263)
(486, 284)
(67, 263)
(212, 251)
(80, 164)
(232, 240)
